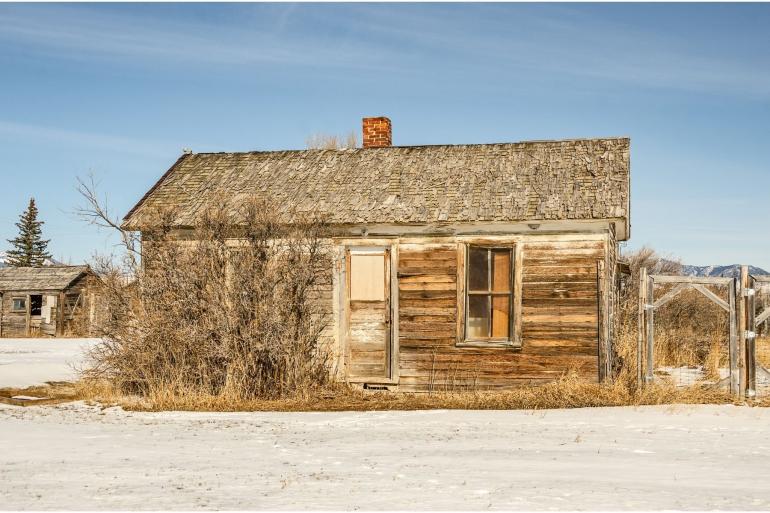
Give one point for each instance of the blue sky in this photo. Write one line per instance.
(118, 90)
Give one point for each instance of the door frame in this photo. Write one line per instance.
(390, 250)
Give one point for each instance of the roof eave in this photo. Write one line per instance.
(126, 224)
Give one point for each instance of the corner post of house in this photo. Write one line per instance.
(603, 325)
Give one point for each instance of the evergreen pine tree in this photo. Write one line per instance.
(29, 248)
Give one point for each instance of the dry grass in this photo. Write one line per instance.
(568, 392)
(763, 351)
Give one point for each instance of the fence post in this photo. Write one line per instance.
(733, 349)
(640, 326)
(743, 284)
(751, 339)
(650, 300)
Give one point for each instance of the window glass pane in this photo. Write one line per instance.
(367, 277)
(478, 317)
(478, 269)
(19, 304)
(500, 312)
(501, 270)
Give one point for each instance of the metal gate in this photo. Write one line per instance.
(729, 375)
(748, 307)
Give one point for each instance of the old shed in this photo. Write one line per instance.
(46, 301)
(482, 265)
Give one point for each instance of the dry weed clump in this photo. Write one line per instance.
(194, 315)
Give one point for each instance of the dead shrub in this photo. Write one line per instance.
(231, 310)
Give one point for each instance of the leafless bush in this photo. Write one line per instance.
(228, 310)
(332, 142)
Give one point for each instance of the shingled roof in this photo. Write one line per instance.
(583, 179)
(57, 277)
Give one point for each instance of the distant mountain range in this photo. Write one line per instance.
(723, 271)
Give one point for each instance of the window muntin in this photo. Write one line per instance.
(489, 294)
(19, 304)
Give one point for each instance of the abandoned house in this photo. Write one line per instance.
(50, 301)
(485, 265)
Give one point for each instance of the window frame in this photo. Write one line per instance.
(23, 308)
(513, 340)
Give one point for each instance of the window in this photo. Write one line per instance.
(489, 295)
(19, 304)
(367, 276)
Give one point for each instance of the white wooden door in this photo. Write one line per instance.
(369, 318)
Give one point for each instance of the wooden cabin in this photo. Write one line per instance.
(480, 265)
(50, 301)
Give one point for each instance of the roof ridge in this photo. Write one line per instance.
(409, 146)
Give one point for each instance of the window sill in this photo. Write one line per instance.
(500, 344)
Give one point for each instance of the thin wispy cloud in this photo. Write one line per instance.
(561, 40)
(79, 33)
(556, 40)
(118, 144)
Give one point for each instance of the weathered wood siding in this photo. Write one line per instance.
(427, 317)
(61, 321)
(12, 324)
(560, 324)
(559, 317)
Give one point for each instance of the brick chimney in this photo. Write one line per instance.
(377, 133)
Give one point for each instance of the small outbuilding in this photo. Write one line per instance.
(51, 301)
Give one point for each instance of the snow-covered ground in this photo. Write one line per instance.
(33, 361)
(75, 456)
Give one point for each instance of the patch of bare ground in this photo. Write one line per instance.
(53, 392)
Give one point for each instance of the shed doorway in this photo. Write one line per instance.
(34, 315)
(369, 314)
